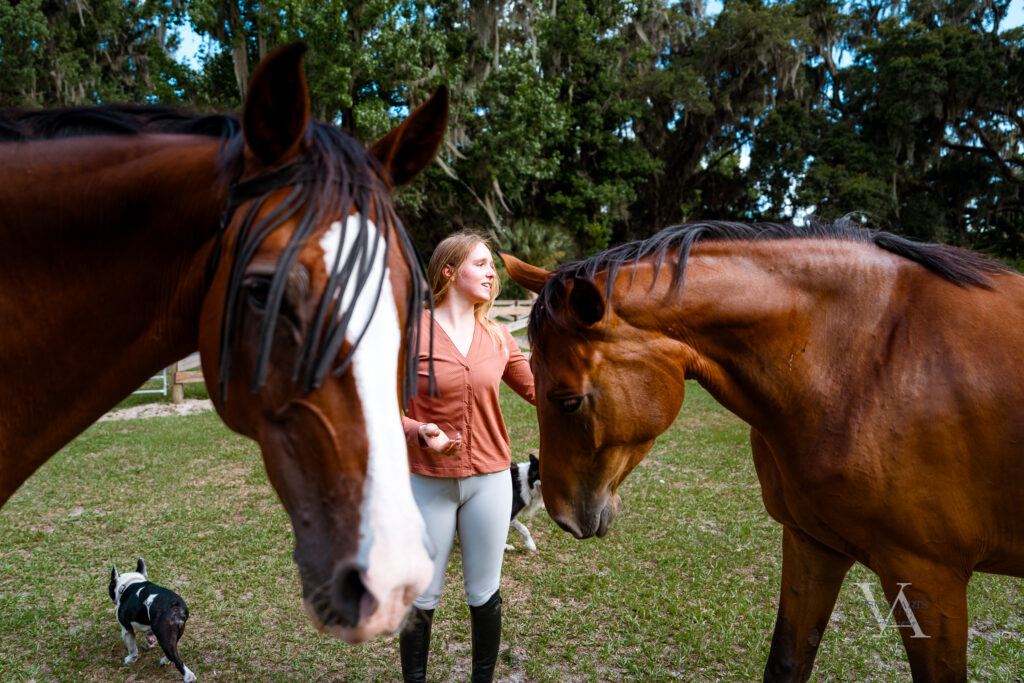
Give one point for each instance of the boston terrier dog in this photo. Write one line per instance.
(526, 498)
(149, 609)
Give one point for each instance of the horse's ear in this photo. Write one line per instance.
(523, 274)
(411, 145)
(586, 302)
(277, 106)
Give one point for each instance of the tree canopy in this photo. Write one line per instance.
(576, 124)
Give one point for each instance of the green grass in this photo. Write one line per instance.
(683, 587)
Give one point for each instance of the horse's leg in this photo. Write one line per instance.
(937, 597)
(811, 577)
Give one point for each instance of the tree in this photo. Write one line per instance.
(920, 132)
(605, 120)
(90, 51)
(723, 79)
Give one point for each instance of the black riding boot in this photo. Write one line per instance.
(486, 620)
(414, 644)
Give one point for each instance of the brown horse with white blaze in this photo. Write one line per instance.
(878, 377)
(131, 236)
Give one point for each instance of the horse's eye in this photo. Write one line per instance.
(567, 404)
(257, 290)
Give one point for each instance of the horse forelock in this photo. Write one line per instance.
(961, 267)
(336, 178)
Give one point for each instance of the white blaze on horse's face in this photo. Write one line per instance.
(392, 547)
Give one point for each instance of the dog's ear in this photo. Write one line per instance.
(114, 573)
(141, 568)
(534, 460)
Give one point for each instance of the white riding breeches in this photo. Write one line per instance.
(478, 508)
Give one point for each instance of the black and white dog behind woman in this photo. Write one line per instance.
(526, 497)
(144, 607)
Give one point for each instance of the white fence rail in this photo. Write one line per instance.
(162, 389)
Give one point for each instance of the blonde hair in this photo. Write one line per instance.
(453, 251)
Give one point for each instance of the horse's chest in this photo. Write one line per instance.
(824, 503)
(773, 492)
(784, 487)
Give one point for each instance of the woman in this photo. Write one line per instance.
(459, 451)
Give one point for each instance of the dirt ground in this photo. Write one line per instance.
(186, 407)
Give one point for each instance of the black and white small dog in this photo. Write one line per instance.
(526, 498)
(147, 608)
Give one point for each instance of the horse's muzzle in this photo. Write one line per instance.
(368, 594)
(349, 607)
(343, 601)
(591, 519)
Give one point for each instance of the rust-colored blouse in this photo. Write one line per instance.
(468, 404)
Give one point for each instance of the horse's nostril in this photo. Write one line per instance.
(350, 596)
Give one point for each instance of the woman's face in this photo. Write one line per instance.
(476, 276)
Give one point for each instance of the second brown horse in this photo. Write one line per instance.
(881, 381)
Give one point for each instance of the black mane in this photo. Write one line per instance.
(336, 176)
(112, 119)
(960, 266)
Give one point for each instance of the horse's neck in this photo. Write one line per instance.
(102, 257)
(764, 322)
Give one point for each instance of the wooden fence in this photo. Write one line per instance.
(514, 314)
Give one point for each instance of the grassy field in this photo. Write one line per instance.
(683, 587)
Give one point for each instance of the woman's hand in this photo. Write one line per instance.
(438, 441)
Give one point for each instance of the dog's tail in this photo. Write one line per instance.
(179, 613)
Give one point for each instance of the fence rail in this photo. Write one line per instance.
(514, 314)
(162, 389)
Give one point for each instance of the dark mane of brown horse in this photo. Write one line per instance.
(960, 266)
(114, 119)
(335, 158)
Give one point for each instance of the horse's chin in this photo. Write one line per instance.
(607, 514)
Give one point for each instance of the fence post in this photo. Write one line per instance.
(177, 389)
